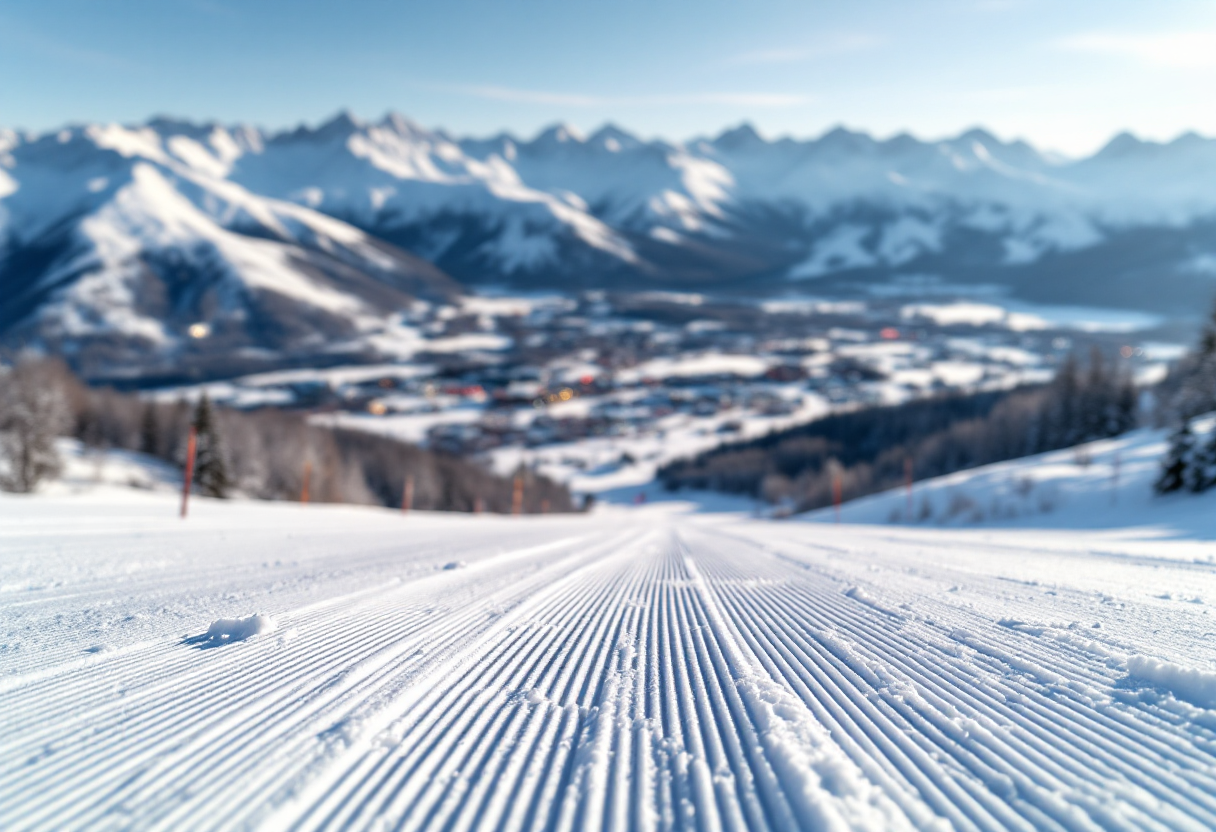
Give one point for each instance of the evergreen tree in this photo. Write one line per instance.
(1201, 472)
(1062, 423)
(1096, 400)
(210, 473)
(1190, 389)
(1125, 406)
(1174, 468)
(149, 431)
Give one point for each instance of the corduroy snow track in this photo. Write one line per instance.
(628, 671)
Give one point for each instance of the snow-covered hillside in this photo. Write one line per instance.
(273, 666)
(398, 179)
(1106, 484)
(116, 239)
(115, 242)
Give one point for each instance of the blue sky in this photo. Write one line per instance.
(1066, 76)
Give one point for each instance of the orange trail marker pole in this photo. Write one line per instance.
(191, 447)
(836, 493)
(307, 478)
(479, 505)
(517, 496)
(407, 494)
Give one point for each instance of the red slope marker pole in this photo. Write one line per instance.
(191, 447)
(407, 494)
(307, 478)
(517, 496)
(836, 493)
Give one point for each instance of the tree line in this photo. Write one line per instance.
(264, 454)
(869, 450)
(1185, 395)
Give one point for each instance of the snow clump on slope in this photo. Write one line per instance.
(227, 630)
(1187, 683)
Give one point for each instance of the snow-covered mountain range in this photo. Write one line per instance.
(116, 244)
(564, 209)
(117, 239)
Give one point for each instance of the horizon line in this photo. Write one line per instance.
(582, 136)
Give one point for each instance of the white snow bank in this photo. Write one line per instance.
(227, 630)
(1106, 484)
(1186, 683)
(88, 469)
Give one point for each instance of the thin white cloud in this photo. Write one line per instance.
(524, 96)
(827, 47)
(1179, 50)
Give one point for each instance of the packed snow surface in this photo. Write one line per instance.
(637, 670)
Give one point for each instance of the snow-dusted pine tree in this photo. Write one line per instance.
(1174, 468)
(149, 430)
(210, 472)
(1065, 425)
(1124, 410)
(1190, 388)
(1201, 471)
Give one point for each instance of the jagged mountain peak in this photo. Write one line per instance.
(557, 135)
(742, 137)
(342, 124)
(409, 129)
(1122, 145)
(842, 140)
(614, 139)
(902, 142)
(978, 134)
(1190, 140)
(339, 127)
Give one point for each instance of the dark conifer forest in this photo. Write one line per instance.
(874, 449)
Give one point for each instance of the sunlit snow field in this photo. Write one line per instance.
(278, 666)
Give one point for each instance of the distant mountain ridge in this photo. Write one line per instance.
(114, 239)
(114, 242)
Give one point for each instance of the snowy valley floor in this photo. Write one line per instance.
(629, 670)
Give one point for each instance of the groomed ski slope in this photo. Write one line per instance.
(627, 671)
